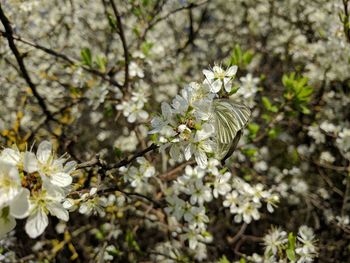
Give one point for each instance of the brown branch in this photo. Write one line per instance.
(126, 161)
(113, 189)
(194, 33)
(238, 235)
(19, 58)
(97, 162)
(125, 46)
(172, 173)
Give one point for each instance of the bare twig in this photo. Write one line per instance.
(240, 232)
(172, 173)
(97, 162)
(125, 46)
(126, 161)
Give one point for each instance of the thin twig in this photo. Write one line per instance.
(96, 162)
(126, 161)
(125, 46)
(156, 21)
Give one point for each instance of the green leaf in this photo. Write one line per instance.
(291, 246)
(146, 47)
(86, 56)
(290, 254)
(305, 110)
(247, 57)
(297, 92)
(250, 152)
(234, 89)
(237, 53)
(268, 105)
(118, 152)
(101, 63)
(112, 21)
(132, 243)
(223, 259)
(273, 132)
(253, 130)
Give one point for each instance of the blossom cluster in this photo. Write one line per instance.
(133, 108)
(189, 194)
(33, 186)
(279, 246)
(139, 175)
(187, 125)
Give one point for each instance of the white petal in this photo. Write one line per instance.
(10, 156)
(175, 153)
(6, 225)
(188, 152)
(208, 74)
(232, 71)
(36, 223)
(68, 203)
(132, 118)
(20, 205)
(54, 191)
(201, 159)
(57, 210)
(61, 179)
(85, 209)
(30, 163)
(218, 69)
(216, 86)
(44, 151)
(227, 85)
(166, 109)
(143, 115)
(207, 146)
(70, 167)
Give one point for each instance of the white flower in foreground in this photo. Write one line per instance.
(199, 192)
(249, 86)
(135, 70)
(10, 183)
(13, 197)
(221, 185)
(145, 167)
(218, 78)
(231, 201)
(133, 111)
(248, 210)
(195, 236)
(93, 204)
(51, 168)
(274, 241)
(176, 206)
(48, 200)
(198, 218)
(201, 146)
(23, 160)
(307, 249)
